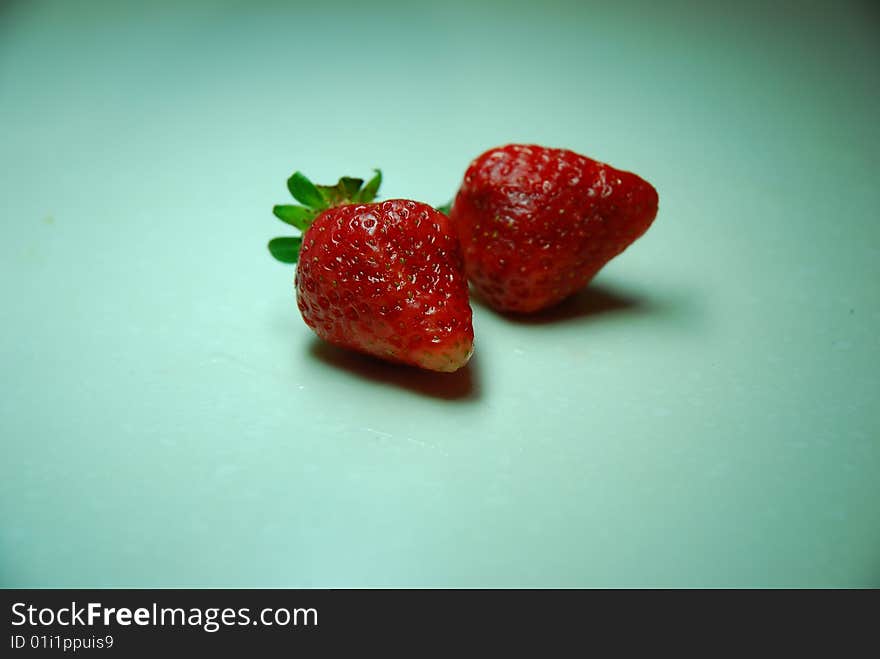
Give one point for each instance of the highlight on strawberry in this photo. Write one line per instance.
(384, 278)
(537, 224)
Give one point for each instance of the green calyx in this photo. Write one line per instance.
(315, 199)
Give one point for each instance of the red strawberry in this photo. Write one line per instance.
(536, 224)
(383, 278)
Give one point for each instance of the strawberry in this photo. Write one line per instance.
(382, 278)
(536, 224)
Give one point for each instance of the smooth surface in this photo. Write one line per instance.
(705, 415)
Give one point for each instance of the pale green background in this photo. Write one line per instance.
(706, 416)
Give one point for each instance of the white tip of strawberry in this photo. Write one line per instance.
(447, 361)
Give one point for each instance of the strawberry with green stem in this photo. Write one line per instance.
(383, 278)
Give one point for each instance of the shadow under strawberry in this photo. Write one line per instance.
(462, 385)
(595, 300)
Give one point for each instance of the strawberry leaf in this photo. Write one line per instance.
(297, 216)
(305, 192)
(344, 192)
(286, 249)
(333, 195)
(445, 208)
(369, 191)
(350, 186)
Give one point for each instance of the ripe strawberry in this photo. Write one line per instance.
(383, 278)
(536, 224)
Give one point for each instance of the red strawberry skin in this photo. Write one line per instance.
(536, 224)
(387, 279)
